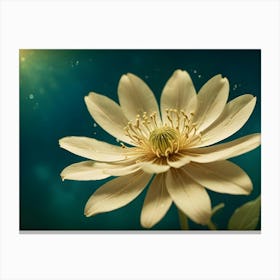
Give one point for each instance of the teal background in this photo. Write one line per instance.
(53, 84)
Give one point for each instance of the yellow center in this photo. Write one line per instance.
(164, 141)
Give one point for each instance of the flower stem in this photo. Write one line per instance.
(211, 225)
(217, 208)
(183, 220)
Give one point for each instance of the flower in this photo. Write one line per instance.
(170, 148)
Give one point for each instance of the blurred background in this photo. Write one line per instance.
(53, 84)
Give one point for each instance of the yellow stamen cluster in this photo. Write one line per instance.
(163, 140)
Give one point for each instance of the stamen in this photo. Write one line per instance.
(146, 124)
(185, 116)
(137, 123)
(158, 154)
(162, 141)
(169, 117)
(153, 117)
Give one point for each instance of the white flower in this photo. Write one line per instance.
(173, 144)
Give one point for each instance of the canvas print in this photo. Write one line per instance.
(165, 140)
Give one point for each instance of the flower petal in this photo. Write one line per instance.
(211, 100)
(226, 150)
(92, 149)
(190, 197)
(90, 170)
(220, 176)
(151, 167)
(136, 97)
(83, 171)
(121, 170)
(108, 115)
(234, 116)
(156, 203)
(179, 93)
(116, 193)
(178, 160)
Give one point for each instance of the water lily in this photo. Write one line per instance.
(168, 149)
